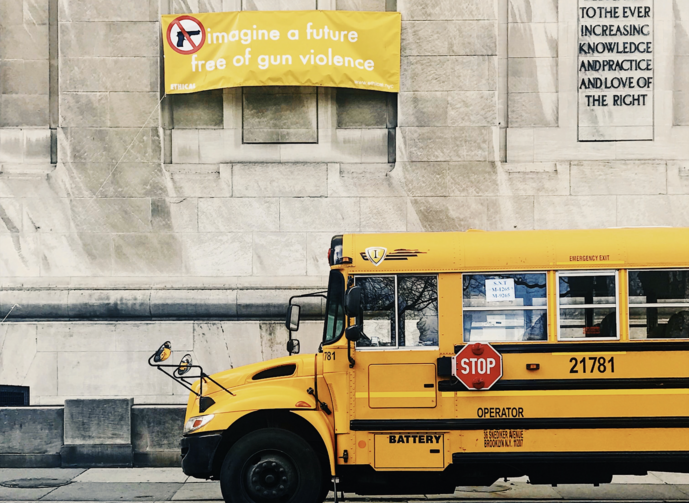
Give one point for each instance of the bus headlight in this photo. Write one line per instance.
(197, 422)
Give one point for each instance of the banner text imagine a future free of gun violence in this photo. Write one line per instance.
(286, 48)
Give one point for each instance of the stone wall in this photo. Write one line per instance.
(128, 218)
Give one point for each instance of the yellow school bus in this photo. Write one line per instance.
(591, 327)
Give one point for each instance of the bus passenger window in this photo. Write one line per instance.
(505, 307)
(587, 305)
(379, 311)
(659, 304)
(417, 304)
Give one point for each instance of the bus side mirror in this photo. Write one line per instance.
(353, 305)
(293, 314)
(293, 346)
(353, 333)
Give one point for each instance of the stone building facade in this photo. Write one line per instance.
(128, 217)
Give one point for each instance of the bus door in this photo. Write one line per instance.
(396, 358)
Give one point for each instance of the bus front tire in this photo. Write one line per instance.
(271, 465)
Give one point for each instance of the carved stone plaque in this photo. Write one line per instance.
(615, 70)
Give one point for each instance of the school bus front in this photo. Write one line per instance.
(590, 330)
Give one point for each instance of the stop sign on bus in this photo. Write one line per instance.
(478, 366)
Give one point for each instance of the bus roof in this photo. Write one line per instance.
(619, 248)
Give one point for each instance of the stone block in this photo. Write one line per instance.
(460, 214)
(225, 345)
(132, 109)
(118, 336)
(83, 110)
(533, 11)
(147, 254)
(108, 39)
(671, 211)
(37, 146)
(185, 146)
(104, 10)
(24, 41)
(215, 146)
(374, 145)
(533, 110)
(23, 110)
(449, 144)
(269, 115)
(97, 455)
(279, 254)
(426, 38)
(359, 108)
(473, 38)
(449, 73)
(424, 178)
(279, 4)
(363, 180)
(98, 421)
(429, 10)
(200, 185)
(423, 109)
(155, 435)
(111, 215)
(388, 214)
(18, 351)
(472, 108)
(110, 145)
(194, 303)
(520, 145)
(95, 74)
(317, 246)
(238, 214)
(533, 40)
(41, 215)
(338, 215)
(274, 180)
(678, 177)
(361, 5)
(11, 211)
(76, 254)
(31, 430)
(20, 255)
(492, 179)
(680, 106)
(575, 212)
(532, 75)
(35, 12)
(198, 110)
(11, 13)
(621, 177)
(174, 215)
(12, 145)
(131, 180)
(27, 77)
(217, 254)
(41, 377)
(93, 374)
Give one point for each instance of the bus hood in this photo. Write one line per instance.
(286, 367)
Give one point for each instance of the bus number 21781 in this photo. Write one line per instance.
(597, 364)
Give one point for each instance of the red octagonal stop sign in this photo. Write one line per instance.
(478, 366)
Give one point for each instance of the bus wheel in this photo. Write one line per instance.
(271, 465)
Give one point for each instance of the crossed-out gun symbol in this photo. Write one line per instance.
(180, 36)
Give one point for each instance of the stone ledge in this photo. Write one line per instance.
(149, 304)
(97, 455)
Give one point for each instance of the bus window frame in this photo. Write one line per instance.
(631, 306)
(545, 307)
(397, 346)
(595, 272)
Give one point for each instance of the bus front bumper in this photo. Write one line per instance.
(198, 452)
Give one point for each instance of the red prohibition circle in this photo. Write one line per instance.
(177, 22)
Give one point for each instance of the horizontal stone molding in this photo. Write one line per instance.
(47, 304)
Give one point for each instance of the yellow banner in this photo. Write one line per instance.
(283, 48)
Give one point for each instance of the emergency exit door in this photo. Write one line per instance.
(410, 385)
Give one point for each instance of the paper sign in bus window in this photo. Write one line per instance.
(499, 290)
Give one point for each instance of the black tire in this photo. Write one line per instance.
(271, 465)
